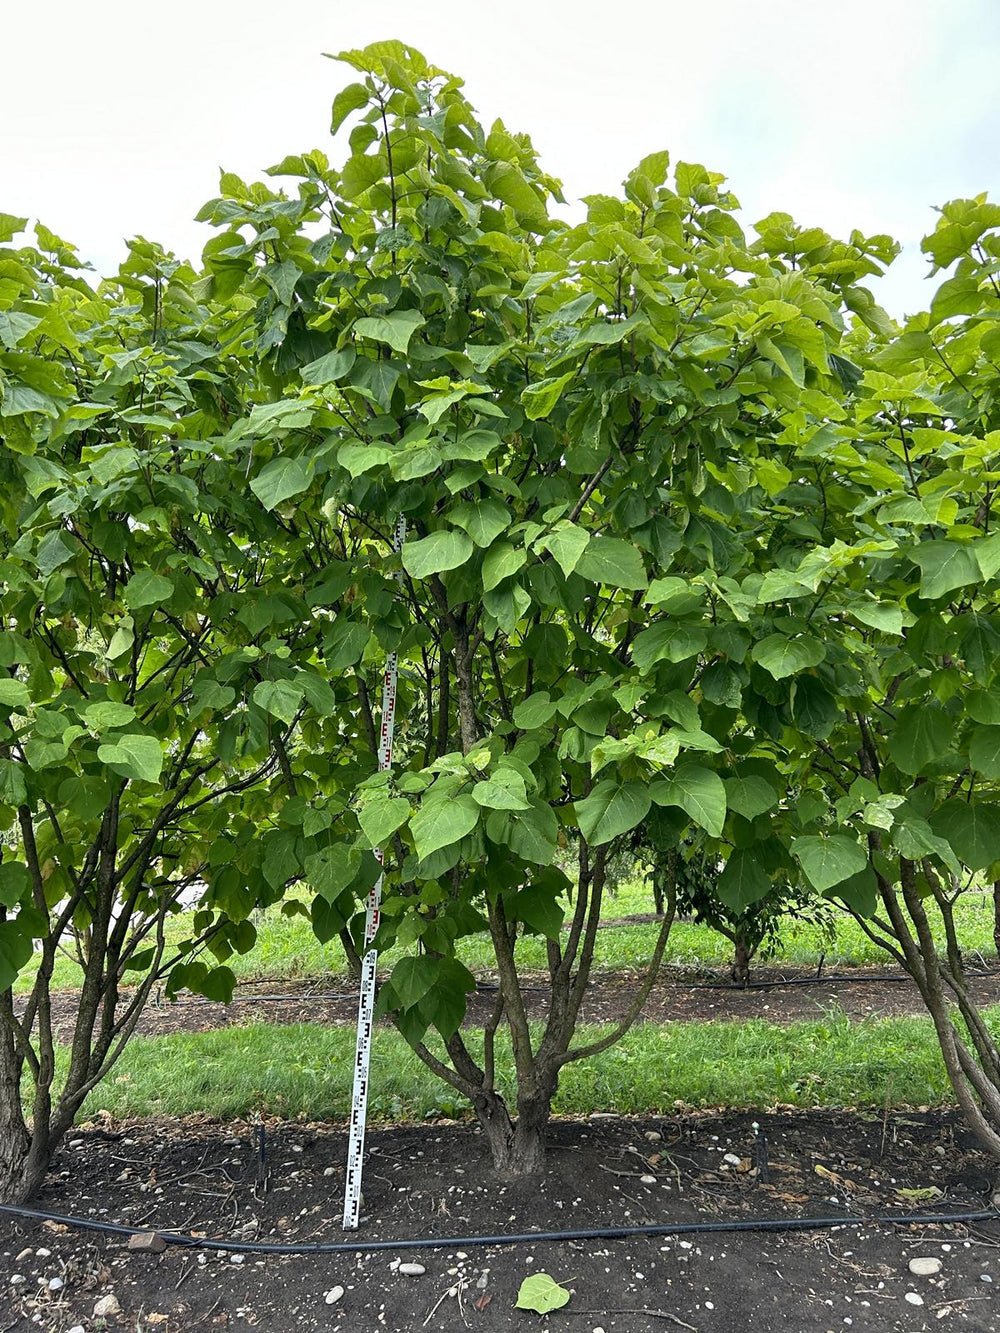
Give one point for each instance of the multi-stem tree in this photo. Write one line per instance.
(574, 422)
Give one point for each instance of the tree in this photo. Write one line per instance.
(572, 420)
(153, 673)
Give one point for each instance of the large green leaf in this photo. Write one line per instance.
(667, 641)
(396, 329)
(614, 562)
(441, 821)
(147, 589)
(945, 566)
(611, 809)
(281, 479)
(133, 756)
(15, 952)
(483, 519)
(379, 819)
(922, 735)
(743, 881)
(699, 792)
(437, 553)
(972, 830)
(781, 656)
(281, 698)
(828, 861)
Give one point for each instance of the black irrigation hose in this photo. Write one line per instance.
(822, 980)
(518, 1238)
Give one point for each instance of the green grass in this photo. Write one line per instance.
(287, 948)
(305, 1071)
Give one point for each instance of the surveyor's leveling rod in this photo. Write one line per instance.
(366, 1000)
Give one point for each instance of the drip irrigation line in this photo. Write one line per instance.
(770, 1224)
(823, 980)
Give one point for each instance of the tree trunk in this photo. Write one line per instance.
(740, 969)
(15, 1142)
(996, 916)
(516, 1147)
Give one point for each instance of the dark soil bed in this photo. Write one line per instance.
(863, 994)
(434, 1181)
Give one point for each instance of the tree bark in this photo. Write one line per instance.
(15, 1142)
(740, 970)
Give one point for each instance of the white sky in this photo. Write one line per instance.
(118, 115)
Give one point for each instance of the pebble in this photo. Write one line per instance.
(913, 1298)
(17, 1279)
(652, 1136)
(26, 1253)
(56, 1284)
(598, 1329)
(333, 1295)
(985, 1277)
(329, 1171)
(237, 1258)
(106, 1306)
(412, 1270)
(647, 1180)
(77, 1328)
(732, 1158)
(924, 1266)
(43, 1253)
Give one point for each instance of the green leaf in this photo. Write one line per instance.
(541, 1293)
(396, 329)
(15, 952)
(442, 821)
(133, 756)
(743, 882)
(281, 479)
(101, 716)
(437, 553)
(483, 519)
(500, 562)
(12, 786)
(330, 368)
(984, 751)
(971, 829)
(535, 711)
(147, 589)
(341, 866)
(503, 791)
(379, 820)
(15, 882)
(328, 918)
(412, 978)
(507, 183)
(567, 542)
(828, 861)
(13, 693)
(750, 796)
(539, 399)
(879, 615)
(699, 792)
(781, 656)
(351, 98)
(945, 566)
(611, 809)
(667, 641)
(54, 550)
(281, 698)
(922, 735)
(614, 562)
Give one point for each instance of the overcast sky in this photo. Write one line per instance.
(117, 115)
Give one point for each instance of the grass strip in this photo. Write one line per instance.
(287, 948)
(304, 1070)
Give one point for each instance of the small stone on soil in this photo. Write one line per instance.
(913, 1298)
(107, 1306)
(334, 1295)
(924, 1266)
(412, 1270)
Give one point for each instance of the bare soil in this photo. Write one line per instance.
(791, 994)
(434, 1181)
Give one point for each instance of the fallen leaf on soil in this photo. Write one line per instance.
(922, 1195)
(541, 1293)
(482, 1303)
(839, 1181)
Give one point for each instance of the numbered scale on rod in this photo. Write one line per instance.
(366, 1001)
